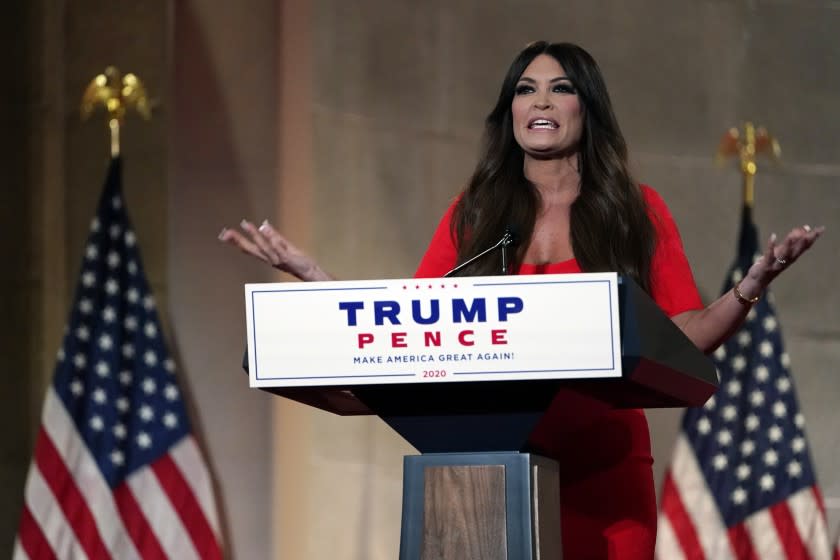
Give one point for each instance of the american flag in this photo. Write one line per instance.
(837, 546)
(116, 472)
(741, 483)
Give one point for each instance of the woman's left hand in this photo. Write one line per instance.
(779, 257)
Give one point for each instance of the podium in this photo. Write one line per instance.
(477, 490)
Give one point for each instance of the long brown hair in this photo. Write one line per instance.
(610, 227)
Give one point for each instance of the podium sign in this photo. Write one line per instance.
(490, 328)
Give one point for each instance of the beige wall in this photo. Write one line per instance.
(352, 125)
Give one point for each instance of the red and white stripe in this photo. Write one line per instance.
(689, 512)
(164, 510)
(690, 525)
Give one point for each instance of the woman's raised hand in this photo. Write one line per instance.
(268, 245)
(778, 257)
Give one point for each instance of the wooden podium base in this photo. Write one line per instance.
(480, 506)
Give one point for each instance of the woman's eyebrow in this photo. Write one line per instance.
(551, 81)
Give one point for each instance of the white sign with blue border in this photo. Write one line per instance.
(553, 326)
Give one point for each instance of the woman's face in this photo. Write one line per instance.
(547, 113)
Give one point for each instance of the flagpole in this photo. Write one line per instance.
(117, 93)
(747, 146)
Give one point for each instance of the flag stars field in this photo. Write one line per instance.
(170, 420)
(146, 413)
(103, 369)
(739, 495)
(747, 447)
(85, 306)
(767, 483)
(76, 387)
(100, 396)
(97, 423)
(766, 349)
(144, 440)
(106, 343)
(783, 384)
(730, 413)
(91, 252)
(752, 423)
(733, 388)
(109, 314)
(149, 386)
(171, 392)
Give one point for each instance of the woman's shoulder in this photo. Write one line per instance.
(657, 209)
(651, 196)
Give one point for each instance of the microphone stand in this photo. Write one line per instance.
(506, 241)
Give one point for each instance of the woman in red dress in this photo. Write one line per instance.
(554, 169)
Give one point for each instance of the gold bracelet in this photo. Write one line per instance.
(741, 298)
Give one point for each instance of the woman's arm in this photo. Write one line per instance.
(709, 327)
(266, 244)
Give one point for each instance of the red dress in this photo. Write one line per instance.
(608, 501)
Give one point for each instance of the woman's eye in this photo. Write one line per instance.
(523, 89)
(565, 88)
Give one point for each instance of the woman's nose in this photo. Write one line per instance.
(542, 102)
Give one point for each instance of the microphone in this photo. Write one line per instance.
(509, 239)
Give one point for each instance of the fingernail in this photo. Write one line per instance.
(806, 227)
(772, 238)
(222, 233)
(244, 223)
(264, 225)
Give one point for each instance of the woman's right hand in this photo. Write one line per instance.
(268, 245)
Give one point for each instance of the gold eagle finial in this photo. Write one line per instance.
(117, 93)
(754, 141)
